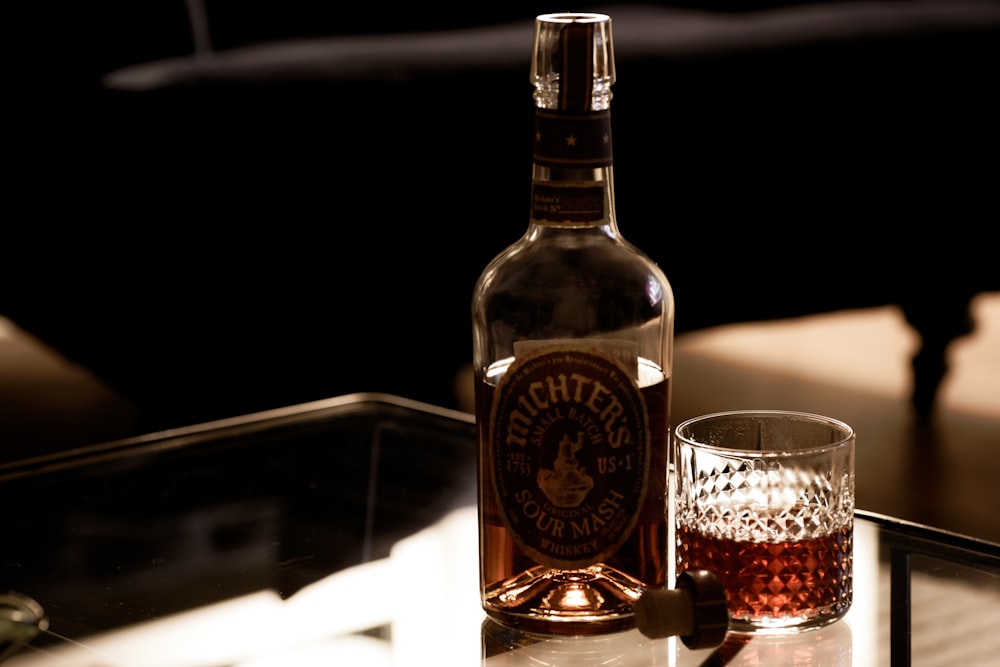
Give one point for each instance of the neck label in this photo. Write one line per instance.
(578, 140)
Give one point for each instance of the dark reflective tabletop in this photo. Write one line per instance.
(343, 532)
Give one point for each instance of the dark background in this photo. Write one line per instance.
(229, 244)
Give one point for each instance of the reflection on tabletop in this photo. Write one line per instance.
(424, 597)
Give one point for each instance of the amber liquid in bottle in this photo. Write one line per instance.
(573, 335)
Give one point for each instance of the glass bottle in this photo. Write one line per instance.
(573, 345)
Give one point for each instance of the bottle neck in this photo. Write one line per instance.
(572, 178)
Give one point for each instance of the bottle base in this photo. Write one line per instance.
(594, 600)
(528, 624)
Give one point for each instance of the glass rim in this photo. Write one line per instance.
(573, 17)
(847, 436)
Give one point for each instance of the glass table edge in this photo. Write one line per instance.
(229, 427)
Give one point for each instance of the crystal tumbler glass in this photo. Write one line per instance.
(765, 499)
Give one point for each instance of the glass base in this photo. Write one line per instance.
(784, 625)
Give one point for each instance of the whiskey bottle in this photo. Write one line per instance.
(572, 353)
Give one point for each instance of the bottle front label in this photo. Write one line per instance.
(570, 453)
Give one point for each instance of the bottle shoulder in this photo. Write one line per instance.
(575, 259)
(590, 288)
